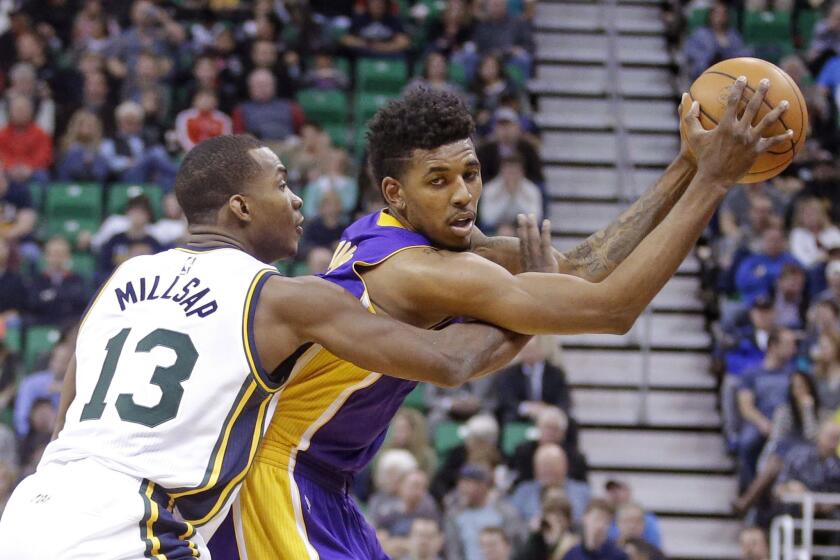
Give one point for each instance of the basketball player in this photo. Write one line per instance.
(409, 261)
(179, 358)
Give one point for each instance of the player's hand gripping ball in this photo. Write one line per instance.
(711, 90)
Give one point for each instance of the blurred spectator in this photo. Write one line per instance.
(550, 469)
(473, 508)
(58, 295)
(434, 76)
(8, 479)
(305, 154)
(480, 447)
(452, 32)
(813, 467)
(202, 121)
(525, 389)
(744, 215)
(461, 403)
(93, 29)
(25, 149)
(325, 229)
(42, 385)
(509, 140)
(552, 536)
(826, 365)
(396, 516)
(318, 260)
(832, 277)
(715, 41)
(630, 520)
(31, 50)
(640, 549)
(118, 248)
(80, 159)
(390, 469)
(130, 159)
(13, 291)
(509, 195)
(8, 447)
(762, 390)
(425, 541)
(409, 431)
(791, 303)
(265, 55)
(753, 544)
(54, 18)
(24, 82)
(758, 272)
(376, 31)
(334, 179)
(19, 24)
(498, 32)
(646, 524)
(42, 417)
(206, 77)
(324, 74)
(152, 29)
(17, 215)
(488, 88)
(820, 115)
(812, 232)
(171, 228)
(595, 544)
(826, 40)
(167, 231)
(553, 427)
(494, 544)
(96, 98)
(146, 81)
(265, 115)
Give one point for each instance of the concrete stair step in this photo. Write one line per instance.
(600, 148)
(684, 370)
(654, 450)
(564, 113)
(594, 182)
(700, 539)
(590, 17)
(680, 331)
(671, 409)
(681, 494)
(567, 242)
(595, 80)
(594, 48)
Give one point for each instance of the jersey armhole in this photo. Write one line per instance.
(269, 382)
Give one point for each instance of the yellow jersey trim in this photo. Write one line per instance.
(246, 328)
(387, 220)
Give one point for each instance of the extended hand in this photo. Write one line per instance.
(728, 151)
(535, 249)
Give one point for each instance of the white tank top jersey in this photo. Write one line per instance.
(168, 386)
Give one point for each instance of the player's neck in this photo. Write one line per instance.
(209, 237)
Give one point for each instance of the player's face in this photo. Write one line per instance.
(276, 225)
(440, 192)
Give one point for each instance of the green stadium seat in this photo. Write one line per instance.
(324, 106)
(368, 104)
(83, 264)
(769, 33)
(36, 191)
(697, 18)
(120, 193)
(69, 228)
(446, 437)
(805, 24)
(299, 269)
(13, 339)
(416, 398)
(339, 134)
(378, 75)
(513, 434)
(515, 74)
(80, 201)
(39, 341)
(457, 73)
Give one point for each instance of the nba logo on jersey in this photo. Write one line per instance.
(187, 266)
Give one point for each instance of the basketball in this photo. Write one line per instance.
(711, 90)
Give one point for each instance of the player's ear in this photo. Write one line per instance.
(393, 193)
(240, 207)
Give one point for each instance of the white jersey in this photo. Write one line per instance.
(168, 386)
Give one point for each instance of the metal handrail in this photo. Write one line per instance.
(783, 527)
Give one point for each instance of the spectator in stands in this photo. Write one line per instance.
(494, 544)
(152, 29)
(42, 417)
(498, 32)
(630, 520)
(791, 302)
(333, 178)
(762, 390)
(201, 121)
(826, 365)
(324, 74)
(425, 541)
(206, 77)
(118, 248)
(488, 88)
(823, 125)
(171, 228)
(812, 231)
(42, 385)
(509, 195)
(31, 50)
(828, 80)
(395, 517)
(265, 55)
(813, 467)
(145, 81)
(480, 447)
(265, 115)
(640, 549)
(473, 508)
(409, 431)
(58, 295)
(595, 543)
(130, 158)
(744, 215)
(25, 83)
(434, 76)
(715, 41)
(8, 479)
(325, 229)
(527, 388)
(17, 215)
(376, 31)
(758, 272)
(550, 469)
(832, 277)
(826, 40)
(305, 155)
(25, 149)
(620, 495)
(508, 140)
(80, 156)
(753, 544)
(452, 32)
(318, 260)
(552, 537)
(93, 29)
(461, 403)
(391, 468)
(96, 98)
(553, 427)
(13, 291)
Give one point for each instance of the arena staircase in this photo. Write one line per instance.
(646, 401)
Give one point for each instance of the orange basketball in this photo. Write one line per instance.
(712, 88)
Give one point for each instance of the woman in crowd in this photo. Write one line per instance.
(80, 159)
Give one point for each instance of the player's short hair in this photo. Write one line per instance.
(422, 119)
(212, 172)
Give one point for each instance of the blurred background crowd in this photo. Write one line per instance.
(100, 100)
